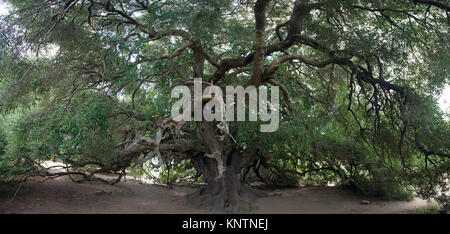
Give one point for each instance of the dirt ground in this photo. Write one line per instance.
(64, 196)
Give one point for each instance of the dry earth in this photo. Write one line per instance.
(64, 196)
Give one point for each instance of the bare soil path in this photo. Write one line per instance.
(64, 196)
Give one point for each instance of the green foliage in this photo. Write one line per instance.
(76, 134)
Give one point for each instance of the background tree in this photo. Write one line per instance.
(358, 80)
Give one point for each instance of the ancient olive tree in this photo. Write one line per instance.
(357, 79)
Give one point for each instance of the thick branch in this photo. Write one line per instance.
(258, 61)
(433, 3)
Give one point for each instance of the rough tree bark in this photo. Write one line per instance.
(224, 190)
(220, 167)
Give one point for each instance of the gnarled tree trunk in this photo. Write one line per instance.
(224, 190)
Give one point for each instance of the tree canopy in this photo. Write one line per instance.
(88, 83)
